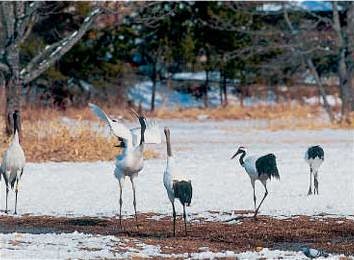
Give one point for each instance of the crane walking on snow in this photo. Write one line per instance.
(131, 160)
(13, 161)
(176, 186)
(258, 168)
(314, 156)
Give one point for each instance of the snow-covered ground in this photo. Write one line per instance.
(203, 151)
(83, 246)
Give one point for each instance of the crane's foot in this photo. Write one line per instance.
(309, 192)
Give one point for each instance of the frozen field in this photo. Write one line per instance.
(203, 151)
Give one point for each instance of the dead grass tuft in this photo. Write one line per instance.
(53, 141)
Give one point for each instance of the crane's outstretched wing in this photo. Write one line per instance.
(152, 133)
(117, 128)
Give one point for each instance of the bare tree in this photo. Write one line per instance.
(16, 22)
(312, 36)
(303, 53)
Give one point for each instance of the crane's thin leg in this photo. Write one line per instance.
(134, 201)
(7, 194)
(254, 194)
(16, 191)
(310, 188)
(315, 182)
(265, 195)
(185, 219)
(174, 218)
(120, 203)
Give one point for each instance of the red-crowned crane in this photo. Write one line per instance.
(131, 160)
(259, 168)
(13, 161)
(314, 156)
(177, 186)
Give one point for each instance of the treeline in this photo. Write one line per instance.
(66, 48)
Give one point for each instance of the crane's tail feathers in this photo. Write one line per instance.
(268, 165)
(183, 191)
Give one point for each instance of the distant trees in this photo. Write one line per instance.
(244, 42)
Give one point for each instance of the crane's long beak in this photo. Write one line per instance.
(235, 154)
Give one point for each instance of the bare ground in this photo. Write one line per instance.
(334, 235)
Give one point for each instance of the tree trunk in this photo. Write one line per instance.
(13, 90)
(153, 90)
(221, 89)
(344, 41)
(321, 89)
(242, 90)
(225, 91)
(205, 90)
(345, 79)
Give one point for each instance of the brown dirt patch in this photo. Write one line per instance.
(335, 235)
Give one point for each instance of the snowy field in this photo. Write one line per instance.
(203, 151)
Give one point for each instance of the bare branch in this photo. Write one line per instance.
(4, 68)
(54, 52)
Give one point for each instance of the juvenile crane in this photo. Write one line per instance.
(259, 168)
(131, 160)
(13, 161)
(177, 187)
(314, 156)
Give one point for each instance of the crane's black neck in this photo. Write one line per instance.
(142, 128)
(242, 162)
(168, 143)
(16, 120)
(15, 117)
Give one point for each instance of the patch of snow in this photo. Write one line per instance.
(74, 34)
(196, 76)
(332, 100)
(85, 246)
(56, 51)
(85, 85)
(96, 11)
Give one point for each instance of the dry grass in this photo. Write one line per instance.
(53, 141)
(278, 117)
(280, 111)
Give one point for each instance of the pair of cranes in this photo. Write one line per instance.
(263, 168)
(131, 161)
